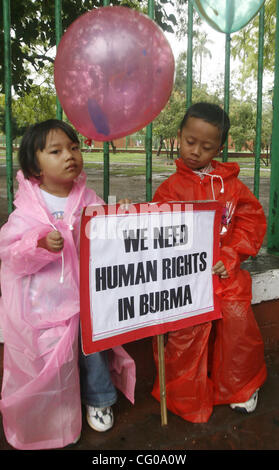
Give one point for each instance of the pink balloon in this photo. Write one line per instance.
(113, 72)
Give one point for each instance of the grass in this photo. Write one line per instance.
(133, 164)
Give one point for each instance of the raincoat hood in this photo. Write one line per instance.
(29, 200)
(221, 172)
(225, 170)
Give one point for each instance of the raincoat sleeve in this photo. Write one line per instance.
(18, 246)
(246, 236)
(92, 198)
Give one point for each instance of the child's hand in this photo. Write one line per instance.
(124, 203)
(53, 241)
(220, 270)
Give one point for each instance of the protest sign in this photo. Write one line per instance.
(146, 270)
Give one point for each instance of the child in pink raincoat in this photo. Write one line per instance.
(39, 309)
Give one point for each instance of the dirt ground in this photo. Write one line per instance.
(132, 187)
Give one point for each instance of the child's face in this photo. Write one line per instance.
(199, 143)
(60, 162)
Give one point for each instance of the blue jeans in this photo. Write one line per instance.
(97, 388)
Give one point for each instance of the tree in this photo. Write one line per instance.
(36, 105)
(181, 14)
(245, 42)
(266, 127)
(243, 123)
(33, 33)
(166, 124)
(200, 50)
(17, 130)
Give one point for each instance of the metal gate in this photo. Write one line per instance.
(273, 219)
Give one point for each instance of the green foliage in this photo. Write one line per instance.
(243, 123)
(38, 104)
(242, 112)
(33, 36)
(245, 42)
(165, 126)
(35, 106)
(17, 130)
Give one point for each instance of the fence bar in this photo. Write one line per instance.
(227, 88)
(106, 175)
(8, 103)
(259, 105)
(273, 220)
(58, 34)
(148, 135)
(189, 80)
(148, 164)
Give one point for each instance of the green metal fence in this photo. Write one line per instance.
(273, 223)
(8, 102)
(273, 219)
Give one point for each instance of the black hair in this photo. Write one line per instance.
(211, 113)
(34, 139)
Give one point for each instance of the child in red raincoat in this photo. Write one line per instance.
(220, 362)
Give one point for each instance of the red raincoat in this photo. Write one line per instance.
(220, 362)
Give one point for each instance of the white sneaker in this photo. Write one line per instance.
(248, 406)
(99, 419)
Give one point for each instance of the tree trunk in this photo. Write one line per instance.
(160, 146)
(171, 148)
(113, 146)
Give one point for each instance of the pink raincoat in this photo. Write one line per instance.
(39, 316)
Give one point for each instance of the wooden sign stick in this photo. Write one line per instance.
(162, 380)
